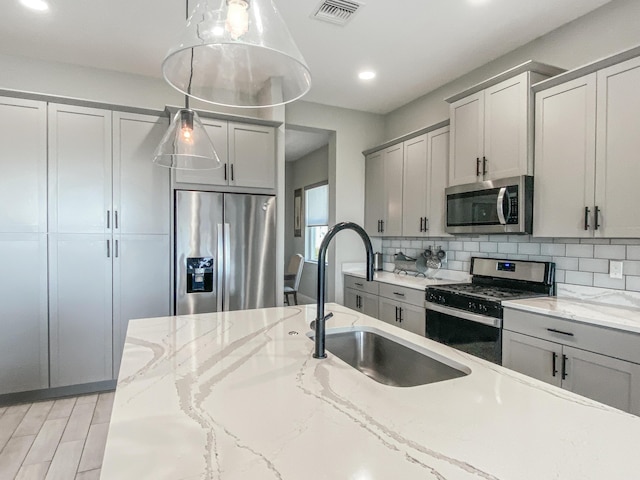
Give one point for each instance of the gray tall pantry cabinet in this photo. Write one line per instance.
(109, 237)
(24, 353)
(81, 260)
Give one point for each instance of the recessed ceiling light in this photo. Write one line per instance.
(367, 75)
(40, 5)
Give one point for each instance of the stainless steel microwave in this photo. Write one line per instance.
(496, 206)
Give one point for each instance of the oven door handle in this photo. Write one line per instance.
(473, 317)
(500, 206)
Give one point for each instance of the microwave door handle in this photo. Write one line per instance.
(500, 206)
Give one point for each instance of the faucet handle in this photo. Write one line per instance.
(328, 316)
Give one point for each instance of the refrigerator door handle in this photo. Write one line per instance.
(221, 265)
(227, 264)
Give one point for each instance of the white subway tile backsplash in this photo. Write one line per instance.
(455, 246)
(507, 247)
(603, 280)
(471, 246)
(529, 248)
(618, 252)
(579, 278)
(578, 250)
(594, 265)
(633, 252)
(540, 258)
(578, 261)
(595, 241)
(463, 256)
(631, 267)
(566, 263)
(633, 283)
(489, 247)
(553, 249)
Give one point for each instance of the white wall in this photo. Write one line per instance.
(610, 29)
(354, 132)
(308, 170)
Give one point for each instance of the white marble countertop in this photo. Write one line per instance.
(442, 277)
(234, 395)
(584, 311)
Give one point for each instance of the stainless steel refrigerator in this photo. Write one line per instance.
(225, 250)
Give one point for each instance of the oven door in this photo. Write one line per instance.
(471, 333)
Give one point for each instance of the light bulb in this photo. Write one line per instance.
(237, 23)
(186, 126)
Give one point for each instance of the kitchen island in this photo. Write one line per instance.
(237, 395)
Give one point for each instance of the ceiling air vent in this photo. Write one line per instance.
(339, 12)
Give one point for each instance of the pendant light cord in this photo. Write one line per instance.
(186, 97)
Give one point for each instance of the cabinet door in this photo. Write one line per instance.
(252, 156)
(413, 319)
(141, 278)
(393, 165)
(79, 169)
(604, 379)
(369, 304)
(415, 191)
(565, 137)
(618, 144)
(217, 131)
(467, 139)
(80, 308)
(23, 163)
(140, 188)
(374, 193)
(506, 128)
(531, 356)
(24, 330)
(351, 299)
(388, 311)
(438, 161)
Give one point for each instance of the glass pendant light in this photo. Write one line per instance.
(186, 145)
(237, 53)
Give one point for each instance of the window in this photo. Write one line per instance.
(316, 203)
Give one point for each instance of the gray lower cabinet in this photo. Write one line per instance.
(141, 282)
(80, 308)
(403, 315)
(366, 303)
(596, 375)
(24, 332)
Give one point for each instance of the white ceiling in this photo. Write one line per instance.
(414, 45)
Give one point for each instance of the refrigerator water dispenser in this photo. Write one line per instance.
(199, 274)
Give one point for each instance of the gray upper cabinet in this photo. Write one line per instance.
(217, 131)
(565, 159)
(79, 170)
(383, 191)
(141, 189)
(617, 150)
(586, 138)
(489, 133)
(425, 178)
(247, 153)
(23, 183)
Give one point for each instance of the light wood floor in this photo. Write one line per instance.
(55, 440)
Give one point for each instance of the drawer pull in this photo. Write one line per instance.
(399, 294)
(358, 284)
(553, 330)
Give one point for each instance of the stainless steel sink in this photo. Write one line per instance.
(389, 362)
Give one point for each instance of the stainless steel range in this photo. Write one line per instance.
(468, 316)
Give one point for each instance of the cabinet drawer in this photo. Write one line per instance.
(361, 284)
(403, 294)
(606, 341)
